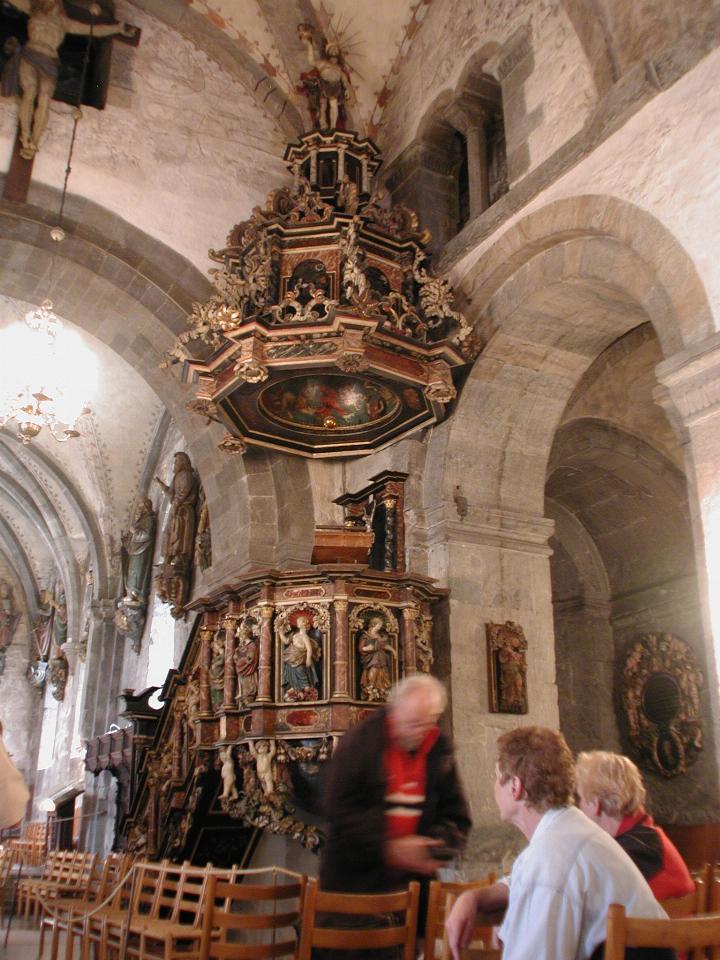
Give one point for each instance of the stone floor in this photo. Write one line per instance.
(23, 943)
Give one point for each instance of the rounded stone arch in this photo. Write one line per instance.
(135, 297)
(16, 557)
(676, 281)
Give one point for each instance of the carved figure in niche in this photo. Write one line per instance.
(423, 645)
(377, 652)
(507, 661)
(203, 541)
(354, 281)
(217, 667)
(661, 686)
(300, 653)
(173, 578)
(8, 620)
(32, 70)
(86, 616)
(264, 753)
(327, 85)
(348, 198)
(58, 671)
(246, 659)
(227, 772)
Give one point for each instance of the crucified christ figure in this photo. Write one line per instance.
(32, 71)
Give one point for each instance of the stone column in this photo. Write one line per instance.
(390, 504)
(230, 678)
(477, 166)
(265, 693)
(690, 396)
(341, 681)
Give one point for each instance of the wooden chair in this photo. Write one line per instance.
(172, 930)
(691, 905)
(378, 906)
(688, 934)
(441, 898)
(8, 858)
(252, 921)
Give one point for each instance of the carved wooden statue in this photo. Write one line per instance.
(507, 649)
(377, 652)
(173, 578)
(203, 539)
(58, 671)
(227, 772)
(300, 653)
(32, 70)
(246, 659)
(264, 753)
(138, 547)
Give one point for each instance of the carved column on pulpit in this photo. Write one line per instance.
(206, 635)
(177, 745)
(410, 615)
(230, 679)
(390, 559)
(341, 686)
(152, 813)
(266, 653)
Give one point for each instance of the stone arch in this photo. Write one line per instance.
(17, 558)
(677, 288)
(135, 298)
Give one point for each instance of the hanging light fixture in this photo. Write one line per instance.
(45, 368)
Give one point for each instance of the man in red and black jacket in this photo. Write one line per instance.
(392, 794)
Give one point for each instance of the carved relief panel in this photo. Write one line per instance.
(302, 635)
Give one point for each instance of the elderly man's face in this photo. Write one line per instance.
(413, 717)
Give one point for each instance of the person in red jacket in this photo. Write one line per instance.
(611, 792)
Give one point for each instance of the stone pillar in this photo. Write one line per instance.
(230, 678)
(477, 156)
(265, 658)
(410, 615)
(690, 396)
(341, 680)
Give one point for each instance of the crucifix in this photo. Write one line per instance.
(32, 69)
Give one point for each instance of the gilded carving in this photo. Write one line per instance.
(375, 629)
(661, 685)
(230, 444)
(507, 667)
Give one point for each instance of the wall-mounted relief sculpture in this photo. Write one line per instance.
(57, 674)
(661, 685)
(138, 545)
(8, 620)
(203, 538)
(247, 658)
(424, 643)
(174, 573)
(374, 630)
(300, 630)
(507, 667)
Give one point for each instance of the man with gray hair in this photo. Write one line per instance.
(392, 795)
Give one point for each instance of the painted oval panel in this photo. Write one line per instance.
(325, 402)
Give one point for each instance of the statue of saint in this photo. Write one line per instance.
(299, 655)
(138, 545)
(246, 659)
(60, 618)
(8, 616)
(217, 667)
(32, 70)
(326, 85)
(376, 655)
(173, 580)
(203, 540)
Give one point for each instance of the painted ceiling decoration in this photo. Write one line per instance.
(327, 334)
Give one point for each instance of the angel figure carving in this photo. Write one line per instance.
(227, 772)
(264, 754)
(32, 70)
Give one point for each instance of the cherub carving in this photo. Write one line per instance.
(227, 772)
(263, 754)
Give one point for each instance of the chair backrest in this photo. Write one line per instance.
(441, 897)
(691, 905)
(251, 920)
(375, 928)
(685, 934)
